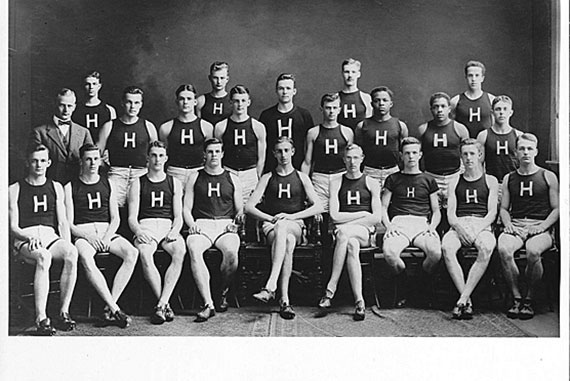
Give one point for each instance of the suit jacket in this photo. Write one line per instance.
(64, 160)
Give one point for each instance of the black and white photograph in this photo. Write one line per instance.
(253, 189)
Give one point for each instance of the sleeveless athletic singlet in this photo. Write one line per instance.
(240, 145)
(91, 201)
(128, 143)
(186, 144)
(92, 117)
(216, 109)
(529, 195)
(410, 193)
(500, 156)
(381, 142)
(284, 194)
(472, 197)
(354, 195)
(475, 114)
(352, 109)
(156, 198)
(441, 149)
(213, 196)
(328, 150)
(37, 204)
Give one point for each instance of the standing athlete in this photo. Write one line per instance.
(286, 119)
(215, 105)
(355, 104)
(155, 218)
(472, 108)
(185, 136)
(288, 198)
(37, 211)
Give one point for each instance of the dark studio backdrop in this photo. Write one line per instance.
(416, 47)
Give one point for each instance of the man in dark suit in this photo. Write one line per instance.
(63, 138)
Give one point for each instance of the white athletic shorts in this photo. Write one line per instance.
(468, 222)
(46, 234)
(410, 226)
(97, 229)
(521, 226)
(213, 229)
(321, 182)
(158, 228)
(267, 227)
(122, 179)
(248, 180)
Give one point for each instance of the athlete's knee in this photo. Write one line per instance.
(131, 255)
(342, 235)
(43, 259)
(70, 254)
(147, 255)
(353, 246)
(533, 256)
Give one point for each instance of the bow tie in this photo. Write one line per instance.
(64, 122)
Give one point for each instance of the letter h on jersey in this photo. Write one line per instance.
(38, 203)
(212, 189)
(154, 199)
(285, 130)
(525, 189)
(94, 200)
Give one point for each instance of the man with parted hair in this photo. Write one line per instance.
(471, 211)
(380, 136)
(215, 105)
(529, 210)
(411, 215)
(155, 218)
(185, 136)
(213, 208)
(472, 108)
(355, 209)
(244, 140)
(127, 139)
(355, 104)
(94, 218)
(63, 138)
(281, 200)
(36, 213)
(286, 119)
(92, 112)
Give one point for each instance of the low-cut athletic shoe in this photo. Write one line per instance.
(206, 313)
(168, 313)
(360, 311)
(223, 305)
(121, 319)
(64, 322)
(526, 312)
(514, 311)
(158, 316)
(286, 311)
(44, 328)
(265, 295)
(467, 312)
(457, 311)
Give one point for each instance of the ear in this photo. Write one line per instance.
(294, 91)
(421, 155)
(48, 163)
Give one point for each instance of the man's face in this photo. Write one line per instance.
(90, 162)
(411, 155)
(526, 151)
(219, 79)
(132, 104)
(331, 110)
(92, 87)
(283, 153)
(471, 156)
(502, 111)
(38, 163)
(382, 103)
(474, 77)
(214, 155)
(65, 106)
(186, 101)
(286, 90)
(350, 74)
(440, 109)
(157, 157)
(240, 103)
(353, 159)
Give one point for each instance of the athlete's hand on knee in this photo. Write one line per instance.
(106, 243)
(171, 236)
(193, 229)
(231, 228)
(391, 231)
(536, 229)
(509, 229)
(281, 216)
(144, 237)
(34, 243)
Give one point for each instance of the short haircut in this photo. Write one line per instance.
(63, 92)
(380, 89)
(439, 95)
(353, 147)
(36, 148)
(155, 144)
(219, 65)
(285, 76)
(93, 74)
(87, 148)
(238, 89)
(528, 137)
(132, 90)
(474, 63)
(212, 141)
(502, 98)
(471, 142)
(351, 61)
(284, 139)
(329, 97)
(409, 140)
(185, 87)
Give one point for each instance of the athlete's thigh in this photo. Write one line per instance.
(396, 244)
(360, 232)
(198, 244)
(451, 241)
(428, 243)
(539, 243)
(61, 249)
(485, 241)
(120, 247)
(293, 227)
(509, 242)
(174, 246)
(29, 256)
(228, 242)
(84, 248)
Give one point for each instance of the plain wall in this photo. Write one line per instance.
(415, 47)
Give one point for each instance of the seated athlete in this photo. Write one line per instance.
(93, 217)
(324, 148)
(355, 105)
(471, 210)
(37, 211)
(409, 198)
(355, 209)
(185, 136)
(155, 218)
(212, 210)
(380, 137)
(529, 210)
(279, 201)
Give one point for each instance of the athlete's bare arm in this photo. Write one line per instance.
(238, 200)
(134, 205)
(207, 129)
(307, 164)
(505, 205)
(358, 133)
(164, 131)
(404, 130)
(553, 216)
(201, 101)
(435, 211)
(422, 130)
(220, 129)
(189, 204)
(260, 133)
(367, 99)
(104, 133)
(177, 211)
(152, 135)
(255, 198)
(62, 223)
(461, 130)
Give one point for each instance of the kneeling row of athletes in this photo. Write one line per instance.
(213, 207)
